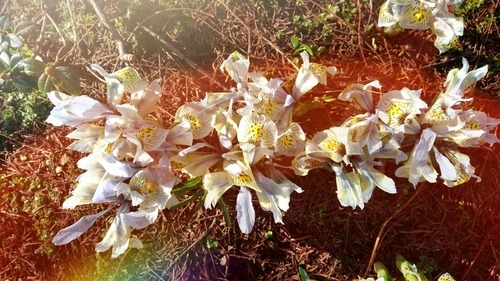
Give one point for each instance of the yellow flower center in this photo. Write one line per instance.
(145, 134)
(421, 14)
(256, 132)
(193, 120)
(332, 146)
(473, 125)
(109, 148)
(287, 141)
(318, 69)
(266, 106)
(397, 113)
(242, 179)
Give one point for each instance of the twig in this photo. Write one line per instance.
(382, 229)
(189, 247)
(175, 51)
(164, 11)
(75, 32)
(5, 5)
(258, 35)
(55, 26)
(120, 43)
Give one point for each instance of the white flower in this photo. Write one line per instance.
(310, 74)
(265, 97)
(447, 31)
(328, 141)
(463, 170)
(73, 111)
(362, 130)
(119, 82)
(197, 117)
(399, 110)
(361, 94)
(86, 135)
(257, 130)
(275, 195)
(118, 235)
(72, 232)
(226, 126)
(197, 163)
(146, 100)
(291, 142)
(421, 15)
(458, 81)
(236, 173)
(350, 188)
(419, 165)
(236, 66)
(145, 188)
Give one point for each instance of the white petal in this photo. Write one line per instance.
(106, 190)
(146, 101)
(57, 97)
(216, 185)
(70, 233)
(447, 169)
(136, 219)
(116, 168)
(245, 211)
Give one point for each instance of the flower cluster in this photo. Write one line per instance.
(241, 141)
(437, 15)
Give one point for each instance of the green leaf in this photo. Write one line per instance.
(382, 271)
(5, 59)
(67, 80)
(15, 41)
(24, 28)
(295, 41)
(406, 268)
(303, 275)
(33, 67)
(190, 184)
(24, 84)
(307, 48)
(45, 84)
(211, 243)
(190, 199)
(321, 50)
(4, 23)
(7, 86)
(4, 45)
(15, 63)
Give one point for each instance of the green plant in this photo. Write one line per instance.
(24, 81)
(22, 113)
(409, 270)
(299, 47)
(303, 275)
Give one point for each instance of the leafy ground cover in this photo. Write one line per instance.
(441, 229)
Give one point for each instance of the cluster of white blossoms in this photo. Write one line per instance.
(401, 119)
(437, 15)
(241, 141)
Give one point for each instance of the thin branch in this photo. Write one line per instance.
(258, 35)
(4, 8)
(382, 229)
(55, 26)
(120, 43)
(171, 48)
